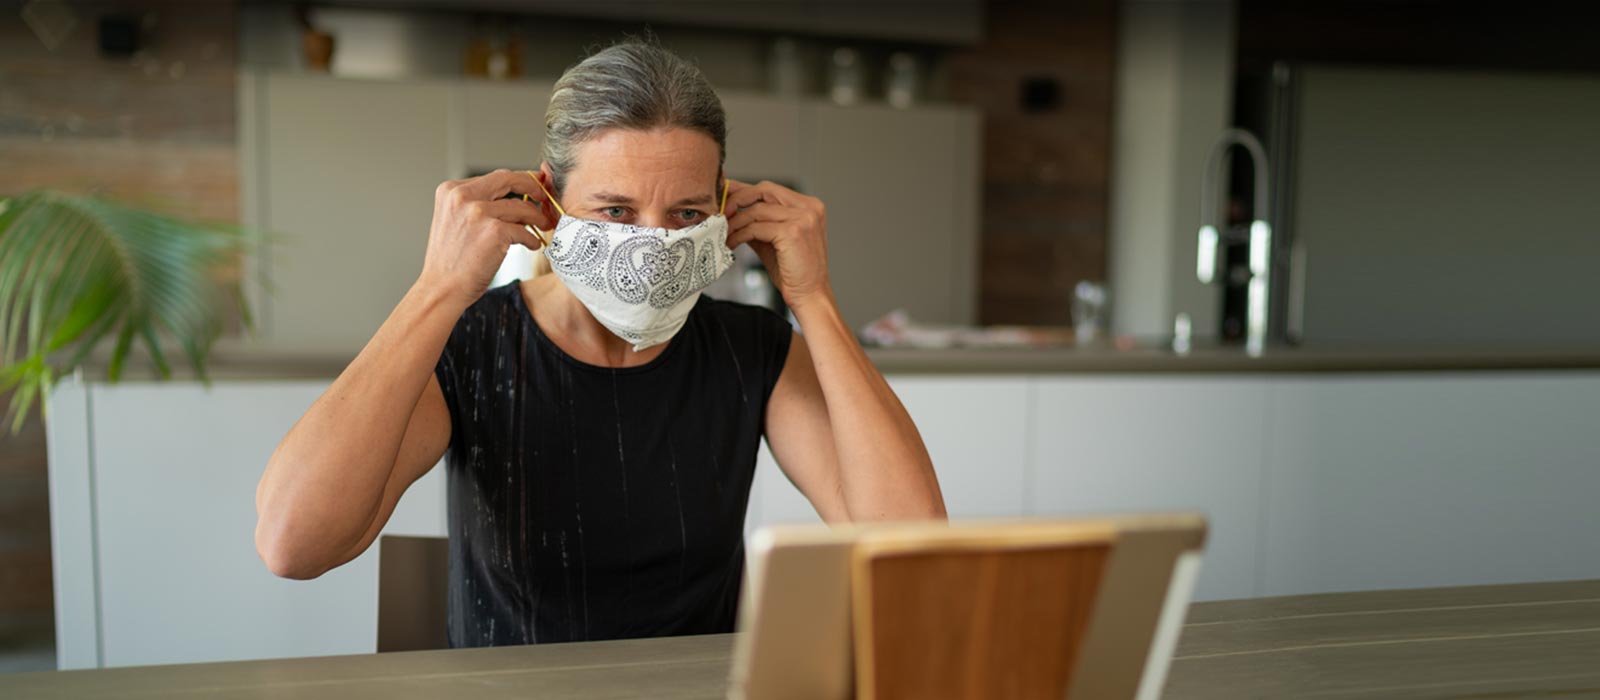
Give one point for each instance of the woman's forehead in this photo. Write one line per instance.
(670, 163)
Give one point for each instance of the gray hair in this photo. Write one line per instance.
(631, 85)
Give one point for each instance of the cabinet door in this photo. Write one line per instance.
(175, 468)
(975, 429)
(502, 125)
(347, 171)
(773, 499)
(902, 189)
(763, 138)
(1453, 479)
(1127, 444)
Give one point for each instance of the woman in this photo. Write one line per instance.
(601, 422)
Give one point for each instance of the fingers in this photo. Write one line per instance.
(513, 211)
(519, 233)
(761, 231)
(768, 255)
(496, 185)
(760, 211)
(728, 205)
(514, 219)
(741, 195)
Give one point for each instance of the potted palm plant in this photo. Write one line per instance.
(78, 271)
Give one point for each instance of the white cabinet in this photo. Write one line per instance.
(1132, 443)
(773, 498)
(502, 126)
(159, 514)
(975, 429)
(1312, 483)
(1399, 481)
(343, 172)
(901, 189)
(763, 138)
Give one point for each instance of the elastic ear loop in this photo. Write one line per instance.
(724, 206)
(544, 236)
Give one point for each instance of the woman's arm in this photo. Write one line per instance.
(841, 435)
(374, 432)
(336, 476)
(834, 425)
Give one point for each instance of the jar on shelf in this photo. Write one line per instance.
(845, 77)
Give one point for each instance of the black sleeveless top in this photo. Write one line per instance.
(589, 502)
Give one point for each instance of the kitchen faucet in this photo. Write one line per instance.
(1260, 231)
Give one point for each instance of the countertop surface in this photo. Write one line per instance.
(1523, 640)
(1228, 359)
(235, 362)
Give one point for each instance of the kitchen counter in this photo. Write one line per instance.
(1306, 479)
(1228, 360)
(1482, 641)
(238, 362)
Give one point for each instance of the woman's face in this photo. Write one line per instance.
(665, 178)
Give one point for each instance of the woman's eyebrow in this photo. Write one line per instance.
(611, 198)
(614, 198)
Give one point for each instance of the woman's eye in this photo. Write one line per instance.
(689, 214)
(615, 212)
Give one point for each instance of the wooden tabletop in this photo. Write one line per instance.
(1480, 642)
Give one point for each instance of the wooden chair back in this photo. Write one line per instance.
(413, 573)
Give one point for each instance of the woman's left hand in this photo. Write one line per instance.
(788, 230)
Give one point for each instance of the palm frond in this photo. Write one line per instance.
(76, 270)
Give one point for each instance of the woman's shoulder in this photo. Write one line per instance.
(489, 313)
(756, 337)
(749, 329)
(496, 300)
(508, 294)
(739, 313)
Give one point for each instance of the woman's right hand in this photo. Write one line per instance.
(473, 227)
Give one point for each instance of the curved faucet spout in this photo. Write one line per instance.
(1260, 230)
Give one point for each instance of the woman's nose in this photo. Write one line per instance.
(659, 220)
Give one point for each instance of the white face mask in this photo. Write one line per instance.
(640, 282)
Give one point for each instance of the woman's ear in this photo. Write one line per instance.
(547, 176)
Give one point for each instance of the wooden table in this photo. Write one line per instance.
(1475, 642)
(1482, 642)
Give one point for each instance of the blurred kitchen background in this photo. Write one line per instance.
(1323, 270)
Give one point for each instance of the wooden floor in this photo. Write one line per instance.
(1521, 641)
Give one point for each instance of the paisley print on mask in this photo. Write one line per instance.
(582, 252)
(642, 269)
(676, 287)
(710, 262)
(639, 281)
